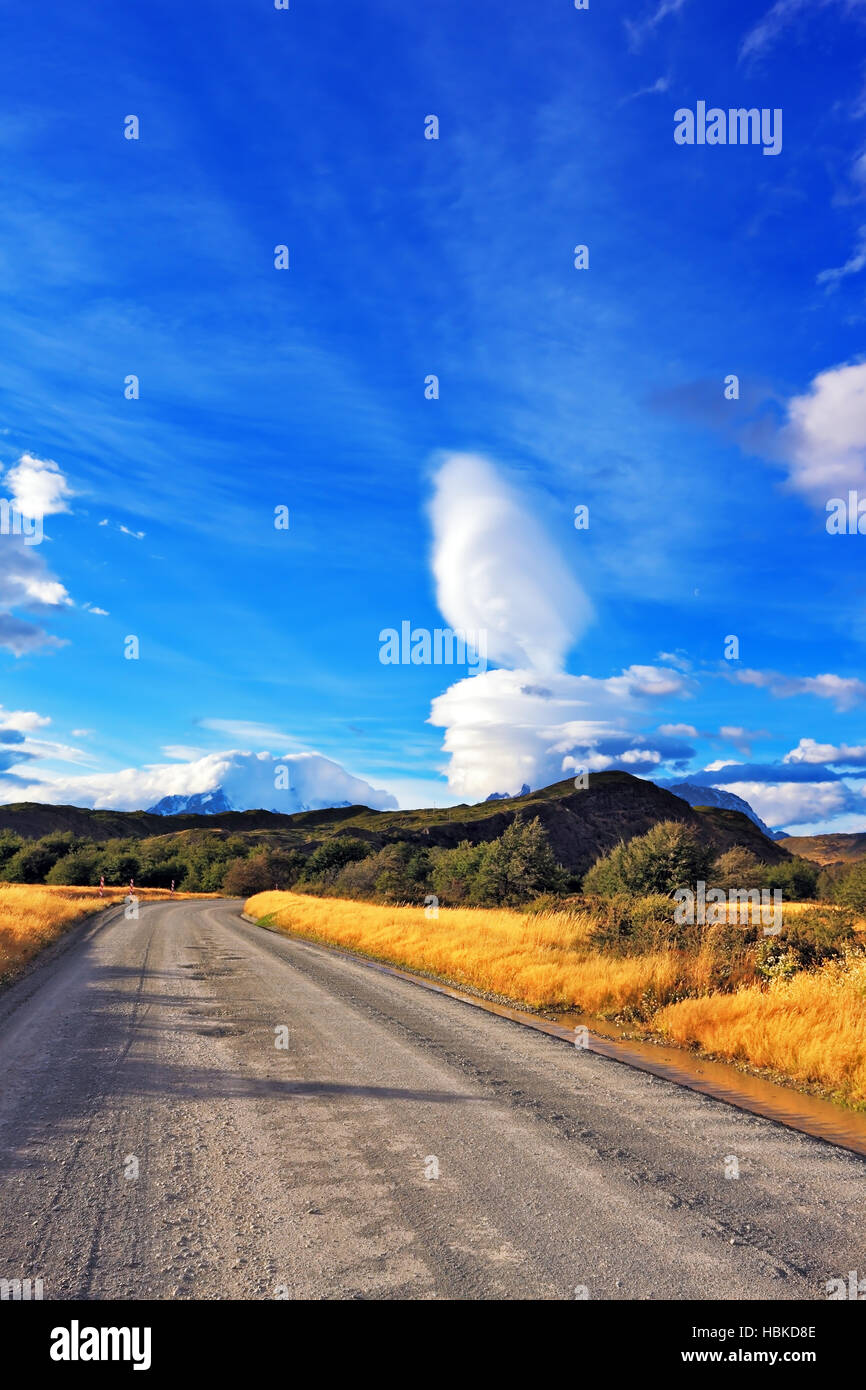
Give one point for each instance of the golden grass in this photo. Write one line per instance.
(543, 959)
(811, 1029)
(32, 916)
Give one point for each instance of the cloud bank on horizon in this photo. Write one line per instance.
(249, 781)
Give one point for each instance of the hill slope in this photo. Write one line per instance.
(827, 849)
(582, 825)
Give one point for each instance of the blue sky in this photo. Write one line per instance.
(305, 387)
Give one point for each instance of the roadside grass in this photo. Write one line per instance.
(810, 1028)
(32, 916)
(707, 987)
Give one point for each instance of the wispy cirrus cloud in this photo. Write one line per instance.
(250, 732)
(854, 264)
(782, 16)
(639, 30)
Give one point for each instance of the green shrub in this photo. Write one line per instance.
(454, 871)
(850, 888)
(797, 878)
(10, 843)
(667, 857)
(806, 941)
(516, 867)
(79, 869)
(737, 868)
(325, 863)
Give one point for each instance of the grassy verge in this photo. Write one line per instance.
(700, 987)
(32, 916)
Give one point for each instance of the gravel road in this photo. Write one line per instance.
(155, 1142)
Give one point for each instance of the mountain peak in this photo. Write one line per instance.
(697, 795)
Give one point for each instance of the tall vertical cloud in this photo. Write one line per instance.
(496, 569)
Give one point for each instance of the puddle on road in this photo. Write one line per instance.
(809, 1114)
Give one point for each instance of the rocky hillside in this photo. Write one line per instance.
(582, 825)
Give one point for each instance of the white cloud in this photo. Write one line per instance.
(661, 84)
(792, 804)
(741, 738)
(25, 579)
(24, 721)
(498, 571)
(503, 728)
(678, 659)
(808, 751)
(37, 487)
(678, 730)
(845, 691)
(248, 780)
(824, 439)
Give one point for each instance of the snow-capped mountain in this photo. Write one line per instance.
(261, 782)
(713, 796)
(507, 796)
(200, 804)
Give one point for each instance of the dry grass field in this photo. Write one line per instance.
(809, 1027)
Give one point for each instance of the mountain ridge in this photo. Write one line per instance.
(581, 824)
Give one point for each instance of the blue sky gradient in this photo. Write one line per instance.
(409, 256)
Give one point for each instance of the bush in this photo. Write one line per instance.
(667, 857)
(161, 873)
(797, 878)
(245, 877)
(454, 871)
(403, 871)
(517, 866)
(850, 888)
(737, 868)
(10, 843)
(326, 862)
(79, 869)
(36, 858)
(807, 941)
(30, 864)
(358, 879)
(119, 867)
